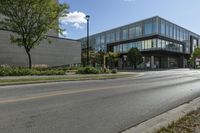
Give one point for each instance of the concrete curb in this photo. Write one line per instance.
(120, 76)
(163, 120)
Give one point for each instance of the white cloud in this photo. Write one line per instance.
(65, 33)
(75, 19)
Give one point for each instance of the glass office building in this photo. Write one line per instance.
(163, 44)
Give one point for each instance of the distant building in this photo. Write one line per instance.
(162, 43)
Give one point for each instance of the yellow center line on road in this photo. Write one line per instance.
(66, 92)
(56, 93)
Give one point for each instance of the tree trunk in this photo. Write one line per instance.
(135, 65)
(29, 59)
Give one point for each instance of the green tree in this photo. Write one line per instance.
(30, 21)
(100, 58)
(92, 57)
(112, 58)
(195, 54)
(134, 57)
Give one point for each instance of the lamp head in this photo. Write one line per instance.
(87, 17)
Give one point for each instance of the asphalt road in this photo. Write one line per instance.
(105, 106)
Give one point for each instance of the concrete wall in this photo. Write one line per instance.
(59, 52)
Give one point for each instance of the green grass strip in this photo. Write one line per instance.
(59, 79)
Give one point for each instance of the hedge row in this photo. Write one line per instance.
(19, 71)
(92, 70)
(7, 71)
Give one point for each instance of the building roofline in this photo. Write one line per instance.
(47, 36)
(139, 22)
(62, 38)
(122, 26)
(178, 25)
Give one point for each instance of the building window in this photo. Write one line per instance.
(175, 34)
(134, 46)
(117, 35)
(112, 37)
(154, 43)
(143, 45)
(140, 45)
(167, 30)
(178, 33)
(181, 48)
(108, 38)
(167, 44)
(102, 39)
(162, 27)
(163, 44)
(130, 46)
(131, 32)
(159, 45)
(148, 28)
(181, 35)
(185, 35)
(171, 31)
(116, 48)
(149, 44)
(194, 44)
(154, 26)
(125, 48)
(146, 44)
(98, 40)
(121, 48)
(138, 30)
(124, 34)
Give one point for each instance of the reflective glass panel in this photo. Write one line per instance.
(163, 44)
(171, 31)
(140, 45)
(138, 30)
(162, 27)
(112, 37)
(148, 28)
(143, 46)
(102, 39)
(131, 32)
(124, 34)
(178, 33)
(108, 38)
(154, 43)
(175, 34)
(159, 43)
(117, 35)
(167, 29)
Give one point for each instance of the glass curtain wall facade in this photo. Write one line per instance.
(151, 44)
(149, 35)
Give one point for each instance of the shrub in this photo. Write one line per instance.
(106, 71)
(18, 71)
(114, 71)
(88, 70)
(66, 69)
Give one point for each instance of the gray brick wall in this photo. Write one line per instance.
(59, 52)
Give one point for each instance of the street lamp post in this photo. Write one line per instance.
(88, 18)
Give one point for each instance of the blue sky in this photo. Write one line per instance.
(107, 14)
